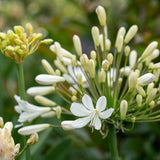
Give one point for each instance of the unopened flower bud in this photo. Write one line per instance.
(131, 33)
(121, 32)
(123, 109)
(110, 58)
(125, 70)
(79, 78)
(46, 41)
(152, 104)
(74, 92)
(139, 100)
(107, 44)
(67, 125)
(119, 44)
(91, 68)
(132, 80)
(44, 101)
(84, 60)
(47, 67)
(132, 59)
(146, 79)
(74, 98)
(141, 90)
(60, 66)
(1, 122)
(33, 139)
(58, 112)
(105, 64)
(29, 27)
(150, 48)
(151, 95)
(58, 72)
(77, 44)
(101, 76)
(150, 87)
(101, 15)
(127, 50)
(95, 35)
(48, 114)
(101, 42)
(93, 55)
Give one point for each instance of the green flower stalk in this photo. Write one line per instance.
(20, 43)
(110, 85)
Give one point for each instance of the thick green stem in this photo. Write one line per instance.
(112, 142)
(21, 81)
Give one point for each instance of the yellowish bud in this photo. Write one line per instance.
(58, 112)
(107, 44)
(79, 78)
(101, 76)
(105, 64)
(141, 90)
(150, 87)
(127, 50)
(132, 80)
(77, 45)
(60, 66)
(110, 58)
(46, 41)
(47, 67)
(1, 122)
(84, 61)
(152, 104)
(95, 35)
(131, 33)
(29, 27)
(91, 68)
(58, 72)
(74, 92)
(93, 55)
(119, 43)
(33, 139)
(132, 59)
(151, 95)
(101, 15)
(139, 100)
(74, 98)
(123, 109)
(121, 32)
(44, 101)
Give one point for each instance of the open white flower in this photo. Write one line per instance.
(88, 113)
(28, 111)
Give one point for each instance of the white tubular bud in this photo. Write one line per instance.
(44, 101)
(101, 76)
(67, 125)
(150, 87)
(48, 114)
(139, 100)
(107, 44)
(84, 60)
(154, 66)
(140, 90)
(46, 79)
(154, 55)
(79, 78)
(132, 59)
(123, 109)
(33, 129)
(58, 50)
(47, 67)
(33, 139)
(101, 15)
(93, 55)
(105, 64)
(58, 112)
(1, 122)
(101, 42)
(95, 35)
(152, 104)
(127, 50)
(74, 98)
(121, 32)
(119, 44)
(151, 95)
(146, 79)
(150, 48)
(131, 33)
(110, 58)
(125, 70)
(77, 44)
(60, 66)
(91, 68)
(132, 80)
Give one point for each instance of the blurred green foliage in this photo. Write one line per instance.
(60, 20)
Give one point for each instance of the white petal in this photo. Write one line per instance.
(34, 91)
(106, 114)
(18, 109)
(97, 123)
(70, 70)
(101, 103)
(33, 129)
(87, 101)
(79, 110)
(68, 78)
(81, 122)
(49, 79)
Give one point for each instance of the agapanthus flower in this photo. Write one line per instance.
(122, 82)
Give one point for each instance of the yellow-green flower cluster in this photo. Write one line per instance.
(8, 149)
(128, 79)
(19, 44)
